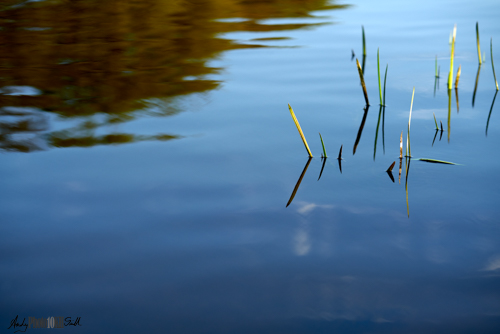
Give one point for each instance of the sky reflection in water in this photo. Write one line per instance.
(192, 234)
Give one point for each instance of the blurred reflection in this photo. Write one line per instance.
(79, 59)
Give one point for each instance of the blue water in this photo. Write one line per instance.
(192, 234)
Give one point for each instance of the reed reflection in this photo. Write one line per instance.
(360, 130)
(449, 113)
(489, 114)
(381, 114)
(297, 185)
(111, 61)
(322, 167)
(475, 85)
(407, 168)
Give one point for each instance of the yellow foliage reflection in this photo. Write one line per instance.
(111, 57)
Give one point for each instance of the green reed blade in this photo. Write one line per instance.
(408, 149)
(323, 145)
(300, 131)
(477, 40)
(385, 80)
(435, 121)
(437, 161)
(437, 66)
(361, 78)
(364, 41)
(492, 65)
(450, 76)
(379, 84)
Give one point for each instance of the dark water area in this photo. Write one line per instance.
(154, 180)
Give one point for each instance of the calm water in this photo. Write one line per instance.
(148, 155)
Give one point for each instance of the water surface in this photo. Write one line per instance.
(149, 154)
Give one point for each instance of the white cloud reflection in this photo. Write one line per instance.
(494, 264)
(305, 207)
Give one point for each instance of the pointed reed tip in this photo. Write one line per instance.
(391, 167)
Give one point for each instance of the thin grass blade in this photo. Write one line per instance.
(300, 131)
(323, 145)
(450, 76)
(385, 81)
(493, 65)
(437, 75)
(379, 83)
(361, 78)
(477, 40)
(437, 161)
(401, 146)
(391, 167)
(408, 148)
(458, 75)
(364, 40)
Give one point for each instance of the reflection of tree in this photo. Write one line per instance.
(113, 57)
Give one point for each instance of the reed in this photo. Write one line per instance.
(458, 76)
(493, 65)
(361, 78)
(437, 161)
(379, 84)
(435, 122)
(478, 46)
(364, 40)
(391, 167)
(400, 169)
(323, 145)
(437, 76)
(408, 148)
(300, 131)
(401, 146)
(385, 81)
(450, 76)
